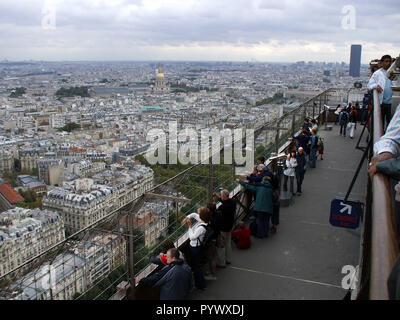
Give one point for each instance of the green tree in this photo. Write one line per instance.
(11, 177)
(17, 92)
(73, 91)
(71, 126)
(28, 195)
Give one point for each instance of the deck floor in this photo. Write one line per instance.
(304, 259)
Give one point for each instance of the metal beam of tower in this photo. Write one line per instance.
(161, 196)
(274, 128)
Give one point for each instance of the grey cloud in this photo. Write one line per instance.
(88, 24)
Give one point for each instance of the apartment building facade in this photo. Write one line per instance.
(6, 160)
(83, 202)
(25, 233)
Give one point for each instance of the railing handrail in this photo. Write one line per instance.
(384, 243)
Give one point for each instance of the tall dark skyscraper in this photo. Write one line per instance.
(355, 60)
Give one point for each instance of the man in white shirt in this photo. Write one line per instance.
(382, 84)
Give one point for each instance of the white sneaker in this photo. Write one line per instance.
(210, 277)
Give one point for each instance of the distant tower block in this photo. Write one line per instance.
(160, 84)
(355, 60)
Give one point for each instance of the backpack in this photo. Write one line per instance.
(208, 236)
(345, 116)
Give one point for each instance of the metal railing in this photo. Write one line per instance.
(384, 243)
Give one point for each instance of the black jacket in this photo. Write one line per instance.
(175, 281)
(227, 209)
(302, 140)
(301, 162)
(216, 224)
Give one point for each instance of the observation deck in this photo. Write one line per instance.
(304, 259)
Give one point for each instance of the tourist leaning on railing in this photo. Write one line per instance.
(263, 206)
(388, 146)
(302, 138)
(161, 259)
(174, 280)
(387, 155)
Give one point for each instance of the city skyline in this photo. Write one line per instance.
(259, 31)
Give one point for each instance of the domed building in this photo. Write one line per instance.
(160, 84)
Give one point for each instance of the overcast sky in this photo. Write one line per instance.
(234, 30)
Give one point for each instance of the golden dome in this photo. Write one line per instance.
(160, 74)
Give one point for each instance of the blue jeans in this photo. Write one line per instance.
(263, 224)
(313, 157)
(343, 126)
(195, 264)
(285, 180)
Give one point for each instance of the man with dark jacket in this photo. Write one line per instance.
(302, 139)
(175, 279)
(262, 172)
(300, 169)
(227, 209)
(263, 206)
